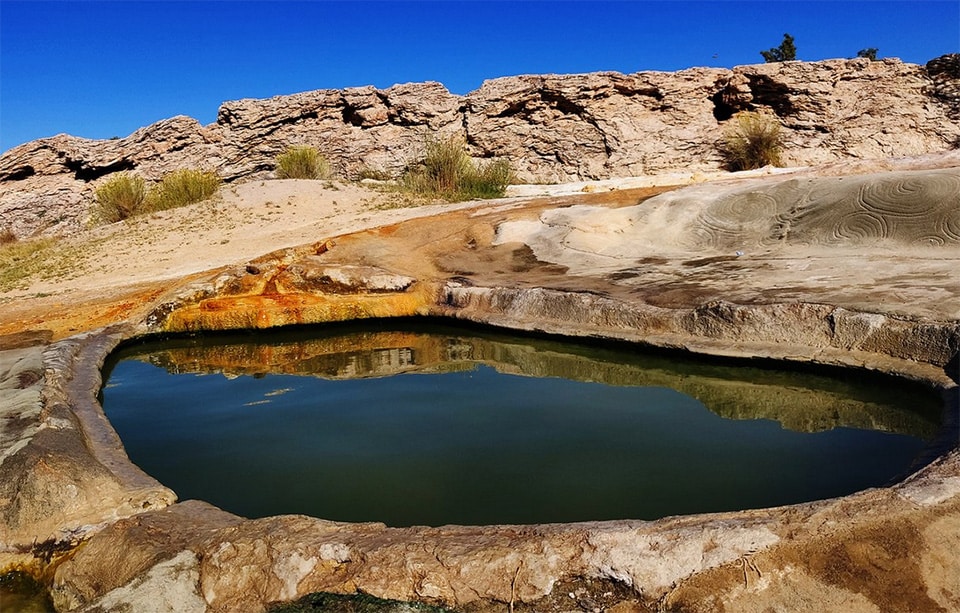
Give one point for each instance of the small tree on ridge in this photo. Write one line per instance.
(785, 52)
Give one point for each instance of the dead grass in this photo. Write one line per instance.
(753, 141)
(20, 260)
(56, 259)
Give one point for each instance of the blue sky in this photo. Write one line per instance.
(103, 69)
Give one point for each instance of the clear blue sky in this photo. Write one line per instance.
(103, 69)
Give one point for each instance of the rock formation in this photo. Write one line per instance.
(551, 128)
(828, 268)
(818, 267)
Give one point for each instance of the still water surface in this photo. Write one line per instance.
(411, 424)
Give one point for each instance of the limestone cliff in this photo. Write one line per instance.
(551, 127)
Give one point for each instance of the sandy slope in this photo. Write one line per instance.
(110, 271)
(241, 222)
(114, 266)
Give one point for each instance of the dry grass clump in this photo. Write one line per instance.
(180, 188)
(124, 195)
(753, 141)
(7, 236)
(374, 174)
(302, 162)
(119, 197)
(447, 172)
(21, 259)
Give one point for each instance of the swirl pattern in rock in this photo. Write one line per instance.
(914, 209)
(921, 208)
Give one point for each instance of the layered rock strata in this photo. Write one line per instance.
(551, 128)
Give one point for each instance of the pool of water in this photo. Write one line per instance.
(20, 593)
(429, 424)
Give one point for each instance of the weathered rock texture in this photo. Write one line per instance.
(63, 471)
(551, 128)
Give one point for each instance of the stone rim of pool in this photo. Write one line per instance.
(197, 537)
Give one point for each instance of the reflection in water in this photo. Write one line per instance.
(805, 402)
(497, 428)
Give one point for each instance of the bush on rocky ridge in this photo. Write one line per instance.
(119, 197)
(786, 52)
(753, 141)
(447, 172)
(302, 162)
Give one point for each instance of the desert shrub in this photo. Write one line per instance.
(302, 162)
(490, 180)
(752, 141)
(180, 188)
(440, 170)
(7, 236)
(119, 197)
(447, 172)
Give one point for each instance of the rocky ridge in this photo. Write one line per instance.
(552, 128)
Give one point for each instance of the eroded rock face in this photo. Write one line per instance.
(945, 73)
(550, 128)
(48, 185)
(356, 128)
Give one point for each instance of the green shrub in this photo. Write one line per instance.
(447, 172)
(490, 180)
(786, 52)
(302, 163)
(753, 141)
(180, 188)
(120, 197)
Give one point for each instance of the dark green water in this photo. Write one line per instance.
(434, 425)
(20, 593)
